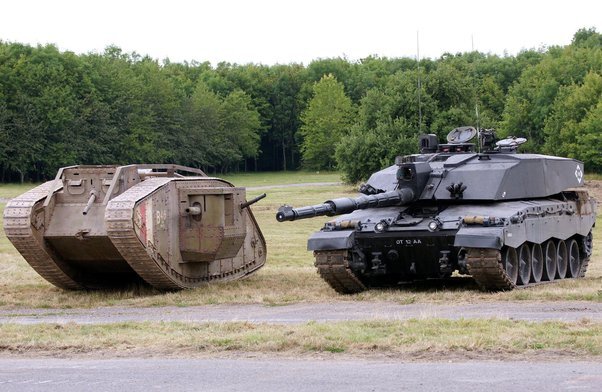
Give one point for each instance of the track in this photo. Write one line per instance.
(486, 268)
(119, 218)
(484, 265)
(17, 226)
(333, 267)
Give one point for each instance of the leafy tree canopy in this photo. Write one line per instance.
(59, 108)
(327, 120)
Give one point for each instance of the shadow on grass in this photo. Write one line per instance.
(136, 290)
(455, 283)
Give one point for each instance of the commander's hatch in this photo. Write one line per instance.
(458, 140)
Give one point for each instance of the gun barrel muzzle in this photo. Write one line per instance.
(288, 213)
(193, 210)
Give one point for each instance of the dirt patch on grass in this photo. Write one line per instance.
(418, 356)
(301, 313)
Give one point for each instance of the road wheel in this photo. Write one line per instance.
(561, 260)
(511, 264)
(524, 264)
(537, 263)
(549, 267)
(574, 260)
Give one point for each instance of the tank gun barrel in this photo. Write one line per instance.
(345, 205)
(90, 202)
(252, 201)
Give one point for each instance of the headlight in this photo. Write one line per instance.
(434, 225)
(380, 226)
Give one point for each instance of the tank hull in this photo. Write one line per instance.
(172, 232)
(476, 239)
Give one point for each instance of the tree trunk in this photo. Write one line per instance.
(283, 155)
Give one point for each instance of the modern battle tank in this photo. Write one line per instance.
(505, 218)
(105, 226)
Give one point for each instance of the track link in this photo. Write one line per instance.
(487, 270)
(18, 217)
(333, 267)
(584, 265)
(587, 244)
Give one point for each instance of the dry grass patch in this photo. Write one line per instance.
(431, 338)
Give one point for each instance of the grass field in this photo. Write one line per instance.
(281, 178)
(430, 339)
(8, 191)
(289, 275)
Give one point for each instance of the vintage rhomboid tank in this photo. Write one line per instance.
(108, 226)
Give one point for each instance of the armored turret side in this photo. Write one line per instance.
(508, 176)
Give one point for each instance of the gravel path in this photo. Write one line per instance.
(52, 374)
(305, 312)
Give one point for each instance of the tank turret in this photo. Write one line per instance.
(105, 226)
(506, 218)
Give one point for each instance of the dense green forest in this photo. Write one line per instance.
(59, 108)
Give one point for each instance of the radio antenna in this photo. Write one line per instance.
(419, 81)
(474, 78)
(474, 89)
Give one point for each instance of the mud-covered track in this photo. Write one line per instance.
(333, 267)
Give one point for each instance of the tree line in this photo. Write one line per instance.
(59, 108)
